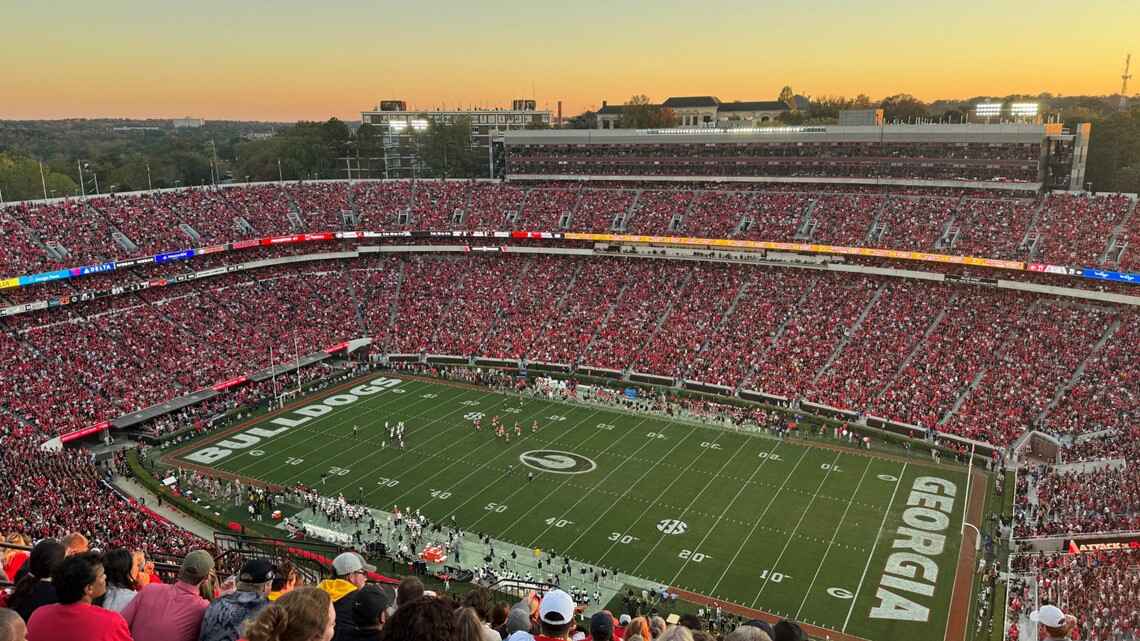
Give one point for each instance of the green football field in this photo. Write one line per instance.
(809, 532)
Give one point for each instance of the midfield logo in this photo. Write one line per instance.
(557, 462)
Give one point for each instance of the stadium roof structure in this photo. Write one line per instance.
(688, 102)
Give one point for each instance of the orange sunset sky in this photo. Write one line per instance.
(290, 60)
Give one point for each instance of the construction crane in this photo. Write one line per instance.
(1124, 78)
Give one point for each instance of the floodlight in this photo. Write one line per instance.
(397, 125)
(419, 124)
(987, 109)
(1023, 109)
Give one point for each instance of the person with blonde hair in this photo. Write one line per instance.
(14, 559)
(303, 614)
(639, 626)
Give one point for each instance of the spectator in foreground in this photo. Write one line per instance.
(602, 627)
(675, 633)
(12, 627)
(75, 543)
(78, 580)
(1057, 624)
(351, 575)
(425, 619)
(284, 580)
(411, 589)
(172, 612)
(555, 616)
(223, 620)
(35, 589)
(369, 611)
(787, 631)
(14, 559)
(479, 601)
(304, 614)
(747, 633)
(122, 579)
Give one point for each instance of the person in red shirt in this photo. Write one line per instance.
(78, 581)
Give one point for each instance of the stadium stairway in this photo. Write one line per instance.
(998, 354)
(1080, 371)
(851, 332)
(602, 325)
(918, 344)
(716, 330)
(778, 333)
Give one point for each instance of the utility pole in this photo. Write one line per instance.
(1124, 78)
(82, 187)
(280, 176)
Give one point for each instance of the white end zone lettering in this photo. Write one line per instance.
(254, 435)
(915, 572)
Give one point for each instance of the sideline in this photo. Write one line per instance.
(959, 617)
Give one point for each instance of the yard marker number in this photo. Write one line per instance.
(774, 577)
(710, 446)
(293, 460)
(338, 471)
(556, 522)
(606, 426)
(386, 482)
(469, 403)
(624, 539)
(770, 456)
(655, 435)
(829, 466)
(555, 417)
(496, 507)
(473, 416)
(440, 494)
(693, 555)
(512, 410)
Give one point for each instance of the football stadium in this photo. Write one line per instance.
(846, 382)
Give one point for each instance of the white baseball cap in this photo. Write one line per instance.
(348, 562)
(556, 608)
(1049, 616)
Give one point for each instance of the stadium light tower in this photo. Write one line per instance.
(987, 110)
(1026, 110)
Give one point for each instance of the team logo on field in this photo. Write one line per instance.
(672, 526)
(557, 461)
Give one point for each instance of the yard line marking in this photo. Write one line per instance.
(329, 434)
(832, 542)
(687, 508)
(807, 509)
(428, 459)
(521, 518)
(684, 565)
(321, 421)
(759, 520)
(870, 556)
(527, 436)
(650, 506)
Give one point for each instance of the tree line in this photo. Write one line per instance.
(119, 155)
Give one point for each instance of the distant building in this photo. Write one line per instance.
(399, 125)
(709, 111)
(188, 123)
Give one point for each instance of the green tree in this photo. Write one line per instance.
(446, 150)
(788, 97)
(639, 113)
(20, 179)
(903, 107)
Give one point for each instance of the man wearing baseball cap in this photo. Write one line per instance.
(224, 617)
(351, 574)
(555, 616)
(1057, 624)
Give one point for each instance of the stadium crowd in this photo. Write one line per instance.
(109, 595)
(1070, 229)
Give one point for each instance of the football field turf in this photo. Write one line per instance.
(791, 527)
